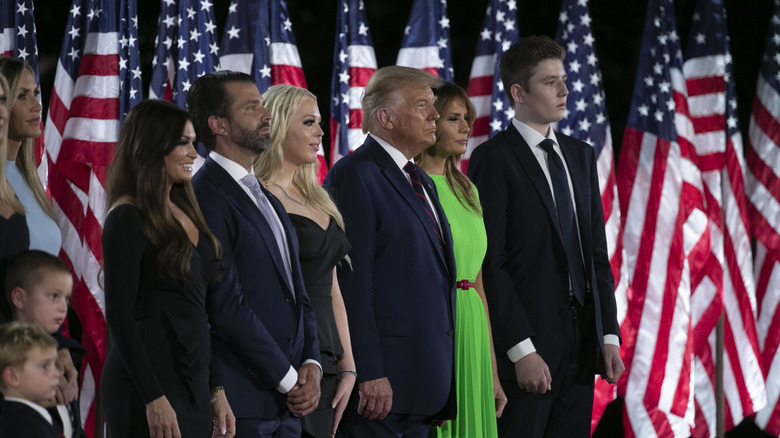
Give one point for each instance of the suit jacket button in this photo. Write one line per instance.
(451, 333)
(288, 300)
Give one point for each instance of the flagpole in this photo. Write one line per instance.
(719, 417)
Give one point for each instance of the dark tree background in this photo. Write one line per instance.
(617, 28)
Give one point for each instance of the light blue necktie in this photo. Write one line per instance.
(265, 207)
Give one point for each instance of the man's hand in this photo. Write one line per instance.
(376, 398)
(304, 396)
(613, 364)
(68, 389)
(533, 375)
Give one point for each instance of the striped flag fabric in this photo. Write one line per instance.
(426, 42)
(485, 89)
(354, 62)
(730, 290)
(185, 48)
(586, 118)
(665, 235)
(82, 127)
(763, 191)
(258, 40)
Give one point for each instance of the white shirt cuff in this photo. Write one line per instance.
(289, 380)
(612, 340)
(521, 350)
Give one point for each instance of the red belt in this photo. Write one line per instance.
(464, 285)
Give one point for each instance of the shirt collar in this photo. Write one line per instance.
(532, 136)
(235, 170)
(398, 157)
(38, 408)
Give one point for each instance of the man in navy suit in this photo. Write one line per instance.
(399, 292)
(546, 272)
(263, 326)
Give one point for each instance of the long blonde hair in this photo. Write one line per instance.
(6, 192)
(283, 101)
(13, 70)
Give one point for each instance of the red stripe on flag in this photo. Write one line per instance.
(705, 85)
(480, 86)
(99, 65)
(355, 119)
(87, 151)
(58, 113)
(709, 123)
(359, 76)
(94, 108)
(287, 74)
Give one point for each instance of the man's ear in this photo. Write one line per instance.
(385, 118)
(217, 125)
(18, 297)
(518, 93)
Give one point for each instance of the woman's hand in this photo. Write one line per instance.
(340, 399)
(68, 389)
(499, 396)
(162, 419)
(224, 420)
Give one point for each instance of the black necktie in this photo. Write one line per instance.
(566, 220)
(411, 169)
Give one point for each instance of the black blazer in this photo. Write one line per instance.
(525, 269)
(258, 328)
(399, 293)
(18, 419)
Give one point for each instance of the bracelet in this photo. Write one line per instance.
(215, 391)
(354, 373)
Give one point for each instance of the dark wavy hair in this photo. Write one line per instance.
(151, 130)
(208, 97)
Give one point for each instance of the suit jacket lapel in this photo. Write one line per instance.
(579, 182)
(531, 166)
(398, 180)
(233, 191)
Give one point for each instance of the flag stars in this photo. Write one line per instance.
(649, 81)
(442, 43)
(74, 53)
(205, 5)
(444, 22)
(22, 31)
(181, 42)
(265, 72)
(588, 40)
(287, 25)
(94, 13)
(198, 57)
(233, 32)
(184, 64)
(76, 10)
(670, 105)
(191, 13)
(776, 39)
(700, 38)
(168, 42)
(601, 119)
(585, 20)
(509, 25)
(563, 17)
(185, 86)
(23, 53)
(731, 122)
(659, 116)
(511, 5)
(577, 86)
(664, 86)
(363, 29)
(643, 110)
(407, 30)
(233, 9)
(169, 20)
(21, 8)
(485, 34)
(575, 66)
(496, 125)
(344, 77)
(584, 125)
(580, 105)
(592, 59)
(194, 35)
(213, 48)
(498, 105)
(343, 56)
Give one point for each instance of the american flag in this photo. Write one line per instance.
(18, 39)
(665, 236)
(426, 43)
(729, 287)
(185, 48)
(586, 119)
(354, 62)
(763, 191)
(258, 40)
(82, 127)
(494, 110)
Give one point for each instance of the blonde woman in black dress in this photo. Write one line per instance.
(288, 169)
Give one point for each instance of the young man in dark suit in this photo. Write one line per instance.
(546, 272)
(399, 292)
(264, 330)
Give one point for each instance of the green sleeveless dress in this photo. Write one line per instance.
(473, 369)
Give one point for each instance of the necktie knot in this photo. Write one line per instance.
(251, 181)
(410, 168)
(547, 145)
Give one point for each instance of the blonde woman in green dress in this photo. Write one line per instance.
(480, 397)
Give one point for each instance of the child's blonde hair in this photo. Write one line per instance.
(17, 339)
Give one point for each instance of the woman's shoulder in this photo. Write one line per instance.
(123, 210)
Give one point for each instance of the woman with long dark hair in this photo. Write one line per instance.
(160, 259)
(480, 397)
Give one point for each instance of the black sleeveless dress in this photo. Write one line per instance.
(159, 331)
(14, 238)
(320, 251)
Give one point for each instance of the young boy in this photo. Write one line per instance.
(28, 379)
(38, 286)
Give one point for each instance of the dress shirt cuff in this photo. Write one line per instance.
(521, 350)
(289, 380)
(612, 340)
